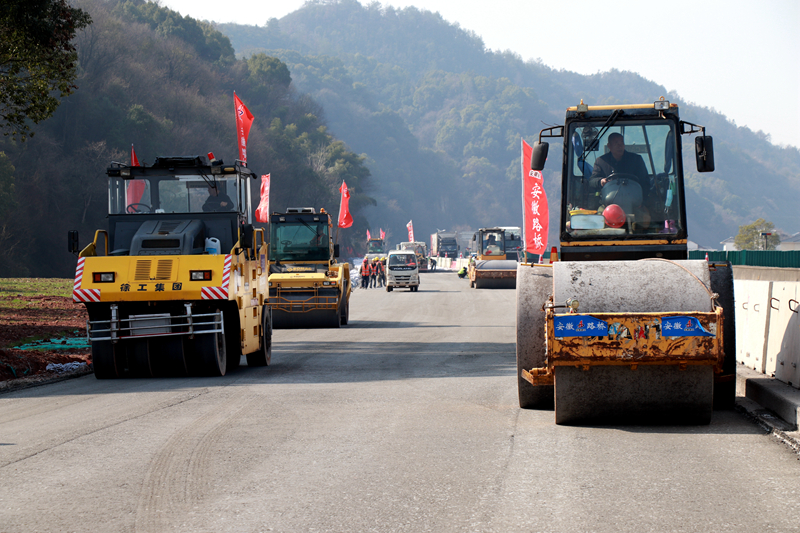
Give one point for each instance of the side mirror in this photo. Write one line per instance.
(336, 250)
(72, 241)
(704, 153)
(539, 155)
(246, 236)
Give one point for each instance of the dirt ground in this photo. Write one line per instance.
(25, 318)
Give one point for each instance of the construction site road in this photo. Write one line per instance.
(405, 420)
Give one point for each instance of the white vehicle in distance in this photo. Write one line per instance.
(402, 270)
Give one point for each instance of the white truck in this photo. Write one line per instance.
(402, 270)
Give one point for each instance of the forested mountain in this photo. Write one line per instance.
(165, 84)
(440, 118)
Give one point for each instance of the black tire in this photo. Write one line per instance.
(139, 359)
(104, 360)
(167, 358)
(263, 355)
(211, 354)
(534, 285)
(345, 316)
(722, 284)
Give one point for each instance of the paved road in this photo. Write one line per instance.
(406, 420)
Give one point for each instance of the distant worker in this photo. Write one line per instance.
(364, 271)
(373, 272)
(433, 264)
(462, 273)
(379, 272)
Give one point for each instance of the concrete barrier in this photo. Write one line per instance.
(768, 321)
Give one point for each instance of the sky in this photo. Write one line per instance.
(735, 56)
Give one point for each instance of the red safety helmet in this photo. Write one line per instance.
(614, 215)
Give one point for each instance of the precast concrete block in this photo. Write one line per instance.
(752, 312)
(783, 340)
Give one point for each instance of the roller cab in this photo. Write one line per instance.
(625, 328)
(308, 287)
(177, 284)
(491, 267)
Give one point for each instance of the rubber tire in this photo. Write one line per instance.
(263, 355)
(534, 286)
(167, 357)
(722, 284)
(139, 359)
(211, 354)
(344, 317)
(104, 360)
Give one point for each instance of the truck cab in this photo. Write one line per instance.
(402, 270)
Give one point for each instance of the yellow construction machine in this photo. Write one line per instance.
(181, 286)
(625, 328)
(491, 268)
(308, 287)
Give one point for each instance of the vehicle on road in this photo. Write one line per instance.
(308, 286)
(625, 328)
(181, 288)
(402, 270)
(491, 268)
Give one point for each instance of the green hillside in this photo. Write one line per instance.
(440, 119)
(164, 83)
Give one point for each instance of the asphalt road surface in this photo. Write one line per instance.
(405, 420)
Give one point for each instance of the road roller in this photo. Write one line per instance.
(308, 287)
(624, 328)
(177, 285)
(491, 268)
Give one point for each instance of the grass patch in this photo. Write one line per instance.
(12, 288)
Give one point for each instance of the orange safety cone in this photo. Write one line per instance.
(541, 259)
(553, 255)
(706, 256)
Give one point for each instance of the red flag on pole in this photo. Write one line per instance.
(383, 234)
(534, 205)
(244, 119)
(368, 235)
(345, 219)
(135, 187)
(410, 227)
(262, 211)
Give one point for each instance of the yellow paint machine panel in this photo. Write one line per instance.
(152, 278)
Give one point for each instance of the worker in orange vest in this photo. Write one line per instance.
(373, 272)
(379, 272)
(364, 271)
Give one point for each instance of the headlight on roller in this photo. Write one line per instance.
(200, 275)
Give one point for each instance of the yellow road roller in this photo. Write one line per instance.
(625, 328)
(177, 285)
(491, 268)
(308, 287)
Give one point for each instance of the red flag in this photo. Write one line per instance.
(410, 227)
(262, 211)
(135, 187)
(244, 119)
(383, 234)
(534, 205)
(368, 235)
(134, 159)
(345, 219)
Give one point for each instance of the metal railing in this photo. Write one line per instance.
(153, 325)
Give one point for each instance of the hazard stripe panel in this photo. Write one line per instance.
(86, 295)
(214, 293)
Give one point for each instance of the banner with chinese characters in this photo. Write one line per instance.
(534, 206)
(345, 219)
(410, 227)
(262, 212)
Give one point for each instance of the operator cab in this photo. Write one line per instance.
(622, 180)
(300, 241)
(176, 206)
